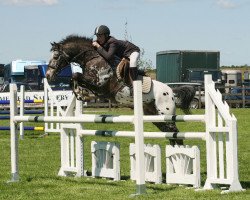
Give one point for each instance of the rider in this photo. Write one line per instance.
(109, 48)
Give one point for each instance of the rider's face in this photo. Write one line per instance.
(101, 38)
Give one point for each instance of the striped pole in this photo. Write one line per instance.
(7, 117)
(25, 101)
(109, 118)
(165, 135)
(26, 128)
(4, 117)
(6, 112)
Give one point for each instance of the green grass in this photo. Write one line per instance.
(40, 161)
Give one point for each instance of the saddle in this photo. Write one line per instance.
(122, 73)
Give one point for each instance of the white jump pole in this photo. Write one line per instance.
(139, 139)
(90, 118)
(165, 135)
(21, 110)
(46, 104)
(13, 134)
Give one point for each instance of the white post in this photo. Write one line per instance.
(64, 152)
(139, 139)
(210, 137)
(21, 128)
(232, 166)
(46, 104)
(13, 134)
(79, 141)
(52, 125)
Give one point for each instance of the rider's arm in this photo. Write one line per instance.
(108, 55)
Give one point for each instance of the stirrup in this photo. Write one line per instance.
(131, 90)
(133, 73)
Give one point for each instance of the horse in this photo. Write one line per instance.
(100, 77)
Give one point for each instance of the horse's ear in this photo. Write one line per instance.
(53, 44)
(56, 46)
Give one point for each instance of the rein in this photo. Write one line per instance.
(65, 57)
(82, 52)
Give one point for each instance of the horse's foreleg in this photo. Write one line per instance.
(79, 92)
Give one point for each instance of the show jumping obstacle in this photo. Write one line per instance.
(22, 128)
(52, 107)
(220, 136)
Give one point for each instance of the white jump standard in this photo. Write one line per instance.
(219, 123)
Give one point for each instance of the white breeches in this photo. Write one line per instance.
(134, 57)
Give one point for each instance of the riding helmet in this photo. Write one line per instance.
(102, 30)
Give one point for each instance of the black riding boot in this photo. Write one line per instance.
(133, 73)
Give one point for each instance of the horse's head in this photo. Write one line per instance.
(59, 60)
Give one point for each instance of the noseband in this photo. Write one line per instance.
(65, 57)
(62, 55)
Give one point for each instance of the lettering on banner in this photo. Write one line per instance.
(4, 98)
(38, 97)
(61, 97)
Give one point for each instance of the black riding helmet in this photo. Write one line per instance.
(102, 30)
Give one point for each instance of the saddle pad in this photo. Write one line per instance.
(146, 84)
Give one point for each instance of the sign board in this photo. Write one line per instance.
(62, 97)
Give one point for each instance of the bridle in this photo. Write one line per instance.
(63, 55)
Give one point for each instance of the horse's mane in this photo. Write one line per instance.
(76, 39)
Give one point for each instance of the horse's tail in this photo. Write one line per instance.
(185, 95)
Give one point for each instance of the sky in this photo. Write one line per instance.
(28, 26)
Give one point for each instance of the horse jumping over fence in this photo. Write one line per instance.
(103, 80)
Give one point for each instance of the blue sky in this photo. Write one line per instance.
(28, 26)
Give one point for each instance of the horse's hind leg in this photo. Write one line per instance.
(164, 104)
(163, 126)
(169, 127)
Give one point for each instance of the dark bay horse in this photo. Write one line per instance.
(100, 77)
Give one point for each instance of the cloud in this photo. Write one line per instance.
(226, 4)
(159, 1)
(29, 2)
(117, 7)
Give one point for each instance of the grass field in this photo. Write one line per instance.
(40, 162)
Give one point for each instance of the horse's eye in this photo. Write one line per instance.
(55, 55)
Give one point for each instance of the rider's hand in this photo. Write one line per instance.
(95, 44)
